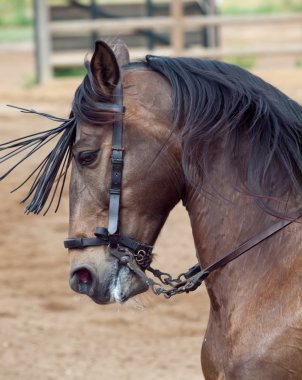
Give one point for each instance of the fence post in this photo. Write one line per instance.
(177, 34)
(42, 41)
(212, 31)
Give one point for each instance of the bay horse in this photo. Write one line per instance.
(225, 143)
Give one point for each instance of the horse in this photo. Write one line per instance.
(143, 136)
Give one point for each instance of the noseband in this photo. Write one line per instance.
(137, 256)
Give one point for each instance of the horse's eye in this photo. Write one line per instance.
(88, 157)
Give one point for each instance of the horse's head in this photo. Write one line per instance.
(151, 178)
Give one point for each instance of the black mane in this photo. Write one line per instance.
(214, 100)
(89, 104)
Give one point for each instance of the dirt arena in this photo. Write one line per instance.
(47, 332)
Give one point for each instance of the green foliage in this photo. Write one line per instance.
(69, 72)
(245, 62)
(15, 12)
(298, 63)
(232, 7)
(16, 33)
(30, 82)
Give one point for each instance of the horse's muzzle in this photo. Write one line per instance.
(115, 284)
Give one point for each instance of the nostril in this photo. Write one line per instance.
(84, 276)
(82, 281)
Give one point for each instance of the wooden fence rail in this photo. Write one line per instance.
(177, 24)
(130, 25)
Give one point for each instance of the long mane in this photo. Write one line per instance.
(213, 101)
(261, 126)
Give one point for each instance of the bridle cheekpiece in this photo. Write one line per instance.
(142, 253)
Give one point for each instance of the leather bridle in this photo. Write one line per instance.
(110, 236)
(136, 255)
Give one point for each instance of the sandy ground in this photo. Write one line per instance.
(48, 332)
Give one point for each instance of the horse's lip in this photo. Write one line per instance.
(116, 288)
(109, 300)
(103, 295)
(102, 300)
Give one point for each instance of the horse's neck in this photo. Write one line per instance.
(221, 225)
(257, 292)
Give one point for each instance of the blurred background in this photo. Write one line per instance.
(46, 331)
(62, 31)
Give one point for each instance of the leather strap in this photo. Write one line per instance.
(111, 235)
(117, 161)
(80, 243)
(193, 278)
(198, 275)
(252, 242)
(103, 238)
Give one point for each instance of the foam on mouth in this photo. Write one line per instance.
(116, 290)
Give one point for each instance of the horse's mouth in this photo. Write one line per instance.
(120, 286)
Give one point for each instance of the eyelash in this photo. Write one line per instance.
(87, 158)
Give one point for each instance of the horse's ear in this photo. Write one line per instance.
(104, 67)
(121, 53)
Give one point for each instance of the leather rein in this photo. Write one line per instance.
(138, 256)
